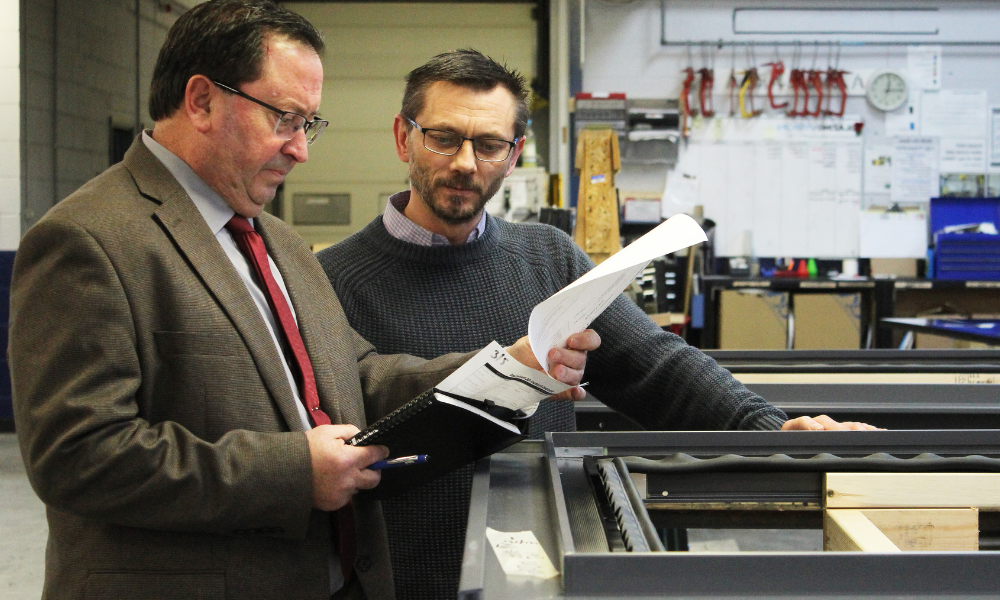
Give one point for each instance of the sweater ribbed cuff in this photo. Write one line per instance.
(767, 423)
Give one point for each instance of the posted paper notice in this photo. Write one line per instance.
(520, 553)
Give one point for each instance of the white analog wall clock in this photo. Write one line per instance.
(886, 91)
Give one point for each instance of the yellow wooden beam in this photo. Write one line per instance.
(937, 529)
(913, 490)
(847, 530)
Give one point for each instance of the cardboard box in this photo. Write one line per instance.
(894, 267)
(926, 341)
(827, 321)
(753, 320)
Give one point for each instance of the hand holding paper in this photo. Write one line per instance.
(497, 375)
(566, 364)
(575, 307)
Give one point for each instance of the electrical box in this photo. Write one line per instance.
(321, 209)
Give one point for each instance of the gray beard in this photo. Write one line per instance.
(450, 209)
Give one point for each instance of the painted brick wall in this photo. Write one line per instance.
(80, 77)
(10, 125)
(10, 177)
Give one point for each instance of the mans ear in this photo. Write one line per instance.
(401, 132)
(199, 94)
(518, 147)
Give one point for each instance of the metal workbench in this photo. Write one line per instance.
(545, 487)
(895, 389)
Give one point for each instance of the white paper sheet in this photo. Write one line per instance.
(493, 375)
(953, 113)
(520, 553)
(963, 155)
(757, 175)
(893, 234)
(574, 307)
(915, 170)
(878, 174)
(680, 193)
(923, 66)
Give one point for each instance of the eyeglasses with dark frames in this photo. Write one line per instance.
(289, 123)
(448, 143)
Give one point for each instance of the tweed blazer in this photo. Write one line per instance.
(154, 416)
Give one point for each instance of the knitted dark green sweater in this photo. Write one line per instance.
(429, 301)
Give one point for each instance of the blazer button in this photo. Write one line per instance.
(363, 563)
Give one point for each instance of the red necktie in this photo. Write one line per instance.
(252, 247)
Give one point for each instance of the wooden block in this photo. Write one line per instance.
(667, 319)
(940, 529)
(847, 530)
(913, 490)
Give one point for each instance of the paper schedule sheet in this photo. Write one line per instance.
(573, 308)
(493, 375)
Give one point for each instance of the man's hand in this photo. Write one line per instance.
(825, 423)
(565, 364)
(339, 470)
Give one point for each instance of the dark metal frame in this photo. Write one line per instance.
(894, 406)
(590, 571)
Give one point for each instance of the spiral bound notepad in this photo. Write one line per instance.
(452, 432)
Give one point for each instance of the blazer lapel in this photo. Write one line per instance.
(309, 318)
(185, 225)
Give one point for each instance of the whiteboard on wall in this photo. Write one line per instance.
(773, 186)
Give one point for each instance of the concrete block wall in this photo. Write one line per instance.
(78, 73)
(10, 177)
(10, 124)
(81, 75)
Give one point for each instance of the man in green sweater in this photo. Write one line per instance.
(436, 274)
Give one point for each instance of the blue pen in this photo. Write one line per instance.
(402, 461)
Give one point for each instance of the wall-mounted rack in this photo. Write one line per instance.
(909, 22)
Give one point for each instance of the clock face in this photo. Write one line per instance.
(886, 91)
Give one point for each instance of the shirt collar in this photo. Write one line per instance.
(402, 228)
(210, 204)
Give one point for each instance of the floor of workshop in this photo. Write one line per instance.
(23, 529)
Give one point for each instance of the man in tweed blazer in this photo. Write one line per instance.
(157, 414)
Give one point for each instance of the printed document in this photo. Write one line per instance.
(494, 376)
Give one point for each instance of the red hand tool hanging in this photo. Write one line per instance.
(777, 70)
(705, 91)
(685, 101)
(797, 79)
(835, 78)
(816, 81)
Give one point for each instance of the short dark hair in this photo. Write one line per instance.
(222, 40)
(467, 68)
